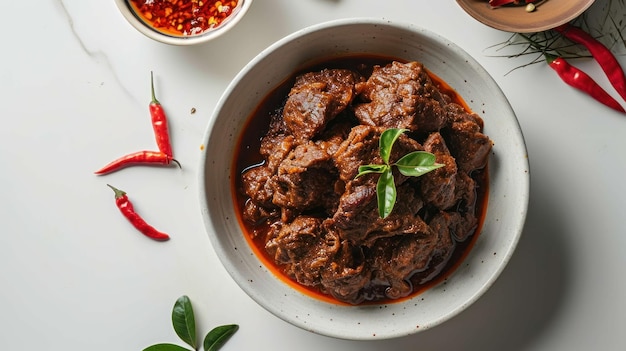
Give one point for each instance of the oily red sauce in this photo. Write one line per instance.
(183, 17)
(247, 156)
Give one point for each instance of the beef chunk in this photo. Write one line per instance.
(449, 225)
(274, 148)
(401, 95)
(256, 214)
(466, 192)
(443, 225)
(438, 187)
(430, 115)
(316, 98)
(397, 257)
(303, 178)
(255, 185)
(466, 141)
(356, 213)
(293, 240)
(304, 248)
(347, 274)
(333, 136)
(358, 221)
(360, 147)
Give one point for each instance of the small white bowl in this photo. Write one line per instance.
(508, 168)
(152, 33)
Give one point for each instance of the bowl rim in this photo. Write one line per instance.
(145, 29)
(524, 184)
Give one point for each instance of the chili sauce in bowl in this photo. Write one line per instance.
(183, 22)
(184, 17)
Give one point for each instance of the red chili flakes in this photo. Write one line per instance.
(184, 17)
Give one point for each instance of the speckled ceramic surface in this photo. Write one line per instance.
(147, 30)
(547, 15)
(509, 179)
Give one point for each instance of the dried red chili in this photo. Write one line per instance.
(582, 81)
(600, 53)
(127, 209)
(184, 17)
(137, 158)
(497, 3)
(159, 123)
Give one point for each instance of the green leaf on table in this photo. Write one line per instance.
(183, 321)
(387, 139)
(218, 336)
(184, 324)
(165, 347)
(417, 163)
(386, 193)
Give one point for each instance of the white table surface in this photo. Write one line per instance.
(76, 276)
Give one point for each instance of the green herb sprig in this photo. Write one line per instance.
(413, 164)
(184, 324)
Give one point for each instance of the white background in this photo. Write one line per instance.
(76, 276)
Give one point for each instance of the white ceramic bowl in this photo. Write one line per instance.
(508, 195)
(150, 32)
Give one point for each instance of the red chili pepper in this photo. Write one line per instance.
(582, 81)
(159, 123)
(601, 54)
(137, 158)
(127, 209)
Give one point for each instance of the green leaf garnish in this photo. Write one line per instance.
(165, 347)
(185, 327)
(183, 321)
(387, 139)
(218, 336)
(386, 193)
(371, 169)
(417, 163)
(413, 164)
